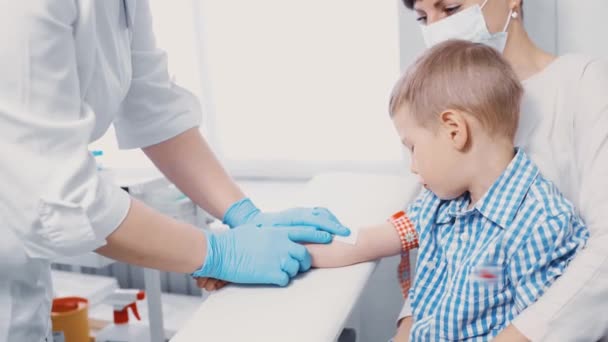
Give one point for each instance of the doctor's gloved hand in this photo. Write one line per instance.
(244, 211)
(253, 254)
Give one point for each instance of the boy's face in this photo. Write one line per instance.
(433, 156)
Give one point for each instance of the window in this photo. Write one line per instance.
(288, 88)
(301, 86)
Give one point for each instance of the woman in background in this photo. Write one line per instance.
(564, 129)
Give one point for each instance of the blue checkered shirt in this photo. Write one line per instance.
(478, 268)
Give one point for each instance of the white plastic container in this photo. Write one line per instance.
(177, 310)
(124, 333)
(121, 330)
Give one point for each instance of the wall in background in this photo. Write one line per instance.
(581, 26)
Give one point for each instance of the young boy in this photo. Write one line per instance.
(493, 233)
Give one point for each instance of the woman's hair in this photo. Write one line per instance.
(464, 76)
(409, 3)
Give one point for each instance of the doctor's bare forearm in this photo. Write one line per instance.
(187, 160)
(373, 243)
(150, 239)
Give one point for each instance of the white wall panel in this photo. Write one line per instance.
(582, 27)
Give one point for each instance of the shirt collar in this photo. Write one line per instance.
(502, 201)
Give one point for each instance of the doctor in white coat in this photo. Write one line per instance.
(69, 69)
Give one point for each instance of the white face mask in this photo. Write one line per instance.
(468, 24)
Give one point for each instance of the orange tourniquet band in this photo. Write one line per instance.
(409, 240)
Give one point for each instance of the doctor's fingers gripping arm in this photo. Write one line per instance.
(258, 255)
(55, 200)
(373, 242)
(210, 284)
(296, 234)
(563, 309)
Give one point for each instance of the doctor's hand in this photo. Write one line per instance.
(210, 284)
(254, 254)
(244, 211)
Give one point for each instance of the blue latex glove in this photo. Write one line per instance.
(253, 254)
(244, 211)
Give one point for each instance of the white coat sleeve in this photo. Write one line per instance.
(51, 194)
(155, 108)
(580, 297)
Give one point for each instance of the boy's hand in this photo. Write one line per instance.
(403, 330)
(510, 334)
(210, 284)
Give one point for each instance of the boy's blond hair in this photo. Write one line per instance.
(464, 76)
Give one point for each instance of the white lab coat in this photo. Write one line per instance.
(68, 69)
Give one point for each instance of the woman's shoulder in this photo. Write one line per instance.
(581, 66)
(574, 75)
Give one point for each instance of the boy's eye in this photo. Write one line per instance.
(421, 19)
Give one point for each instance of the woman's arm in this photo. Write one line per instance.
(564, 308)
(510, 334)
(373, 243)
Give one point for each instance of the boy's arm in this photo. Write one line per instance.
(373, 242)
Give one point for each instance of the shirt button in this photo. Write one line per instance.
(464, 237)
(430, 264)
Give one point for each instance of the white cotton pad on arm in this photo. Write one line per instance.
(351, 239)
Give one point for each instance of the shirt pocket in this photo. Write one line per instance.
(481, 284)
(477, 290)
(62, 229)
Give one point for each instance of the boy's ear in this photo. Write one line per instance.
(456, 127)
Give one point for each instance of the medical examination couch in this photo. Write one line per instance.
(317, 304)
